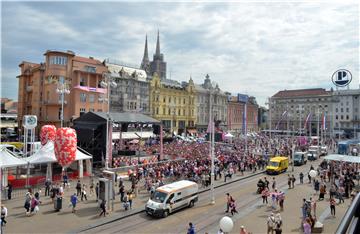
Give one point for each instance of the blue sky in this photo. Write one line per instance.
(255, 48)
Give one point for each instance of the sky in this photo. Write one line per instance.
(255, 48)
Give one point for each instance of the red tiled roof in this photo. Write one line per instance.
(87, 60)
(301, 92)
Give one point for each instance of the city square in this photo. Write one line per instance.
(180, 117)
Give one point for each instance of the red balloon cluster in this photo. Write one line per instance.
(47, 133)
(65, 146)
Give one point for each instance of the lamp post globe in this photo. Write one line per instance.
(226, 224)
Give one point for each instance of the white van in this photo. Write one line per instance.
(313, 152)
(171, 197)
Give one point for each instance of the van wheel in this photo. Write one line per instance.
(165, 214)
(191, 204)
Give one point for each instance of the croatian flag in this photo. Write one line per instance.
(307, 120)
(281, 118)
(323, 124)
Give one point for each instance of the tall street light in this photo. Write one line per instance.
(212, 141)
(62, 89)
(108, 83)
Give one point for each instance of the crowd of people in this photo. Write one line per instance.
(192, 161)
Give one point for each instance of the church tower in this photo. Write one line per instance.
(158, 64)
(145, 63)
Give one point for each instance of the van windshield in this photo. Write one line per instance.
(159, 197)
(297, 156)
(274, 164)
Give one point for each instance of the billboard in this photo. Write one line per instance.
(242, 97)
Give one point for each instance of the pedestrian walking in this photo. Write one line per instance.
(27, 204)
(47, 187)
(289, 181)
(293, 179)
(103, 208)
(229, 198)
(301, 176)
(307, 226)
(73, 201)
(232, 207)
(78, 188)
(191, 229)
(340, 194)
(4, 213)
(332, 206)
(92, 185)
(264, 195)
(122, 192)
(10, 189)
(65, 180)
(130, 198)
(271, 223)
(273, 185)
(83, 192)
(281, 199)
(322, 192)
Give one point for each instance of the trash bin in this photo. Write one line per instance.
(58, 203)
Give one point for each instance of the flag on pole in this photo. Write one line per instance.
(307, 120)
(323, 124)
(281, 118)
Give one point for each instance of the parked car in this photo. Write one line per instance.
(300, 158)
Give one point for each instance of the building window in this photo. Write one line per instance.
(169, 112)
(82, 97)
(183, 111)
(82, 81)
(336, 110)
(347, 109)
(336, 117)
(82, 111)
(91, 98)
(99, 110)
(164, 111)
(347, 117)
(59, 113)
(342, 117)
(157, 110)
(90, 69)
(58, 60)
(342, 109)
(179, 112)
(92, 110)
(184, 100)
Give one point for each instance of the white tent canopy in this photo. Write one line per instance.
(7, 159)
(81, 156)
(44, 155)
(342, 158)
(229, 135)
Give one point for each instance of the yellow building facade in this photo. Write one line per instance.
(173, 104)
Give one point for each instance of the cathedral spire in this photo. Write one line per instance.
(158, 45)
(145, 60)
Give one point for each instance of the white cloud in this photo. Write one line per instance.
(258, 48)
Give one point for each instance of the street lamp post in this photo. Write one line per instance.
(107, 83)
(212, 142)
(62, 89)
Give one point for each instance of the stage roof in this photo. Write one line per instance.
(117, 117)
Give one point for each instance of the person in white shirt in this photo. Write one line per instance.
(3, 215)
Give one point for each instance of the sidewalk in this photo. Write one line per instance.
(87, 215)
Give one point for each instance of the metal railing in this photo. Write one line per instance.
(350, 223)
